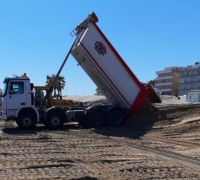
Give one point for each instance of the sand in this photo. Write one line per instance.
(160, 143)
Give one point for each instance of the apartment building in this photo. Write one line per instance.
(167, 82)
(189, 79)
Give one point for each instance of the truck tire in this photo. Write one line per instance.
(116, 118)
(94, 119)
(54, 120)
(26, 121)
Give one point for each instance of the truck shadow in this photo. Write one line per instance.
(39, 128)
(136, 125)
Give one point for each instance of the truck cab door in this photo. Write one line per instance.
(16, 97)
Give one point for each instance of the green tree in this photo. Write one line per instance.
(59, 84)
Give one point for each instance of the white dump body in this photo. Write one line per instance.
(95, 54)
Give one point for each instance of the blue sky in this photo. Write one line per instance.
(149, 35)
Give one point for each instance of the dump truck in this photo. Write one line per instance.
(106, 68)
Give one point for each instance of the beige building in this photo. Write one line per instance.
(167, 82)
(189, 79)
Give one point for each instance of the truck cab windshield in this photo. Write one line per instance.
(6, 80)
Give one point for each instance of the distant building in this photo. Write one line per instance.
(167, 82)
(98, 92)
(189, 79)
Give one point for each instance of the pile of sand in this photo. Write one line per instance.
(167, 99)
(84, 98)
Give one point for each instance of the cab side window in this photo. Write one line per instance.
(16, 88)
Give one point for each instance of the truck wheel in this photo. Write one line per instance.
(54, 120)
(116, 118)
(26, 121)
(94, 119)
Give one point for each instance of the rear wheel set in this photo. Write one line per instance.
(54, 120)
(115, 118)
(94, 119)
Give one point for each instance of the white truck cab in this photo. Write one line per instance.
(17, 97)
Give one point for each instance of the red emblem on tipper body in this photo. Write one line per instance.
(100, 48)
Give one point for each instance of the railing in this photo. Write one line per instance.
(195, 87)
(189, 88)
(164, 77)
(184, 88)
(189, 75)
(189, 81)
(163, 84)
(164, 90)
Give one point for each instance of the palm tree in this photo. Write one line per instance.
(59, 84)
(49, 82)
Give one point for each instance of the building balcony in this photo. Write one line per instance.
(189, 88)
(189, 75)
(163, 84)
(164, 71)
(170, 69)
(195, 87)
(189, 81)
(164, 77)
(184, 81)
(183, 88)
(164, 90)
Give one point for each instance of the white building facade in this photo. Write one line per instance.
(189, 79)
